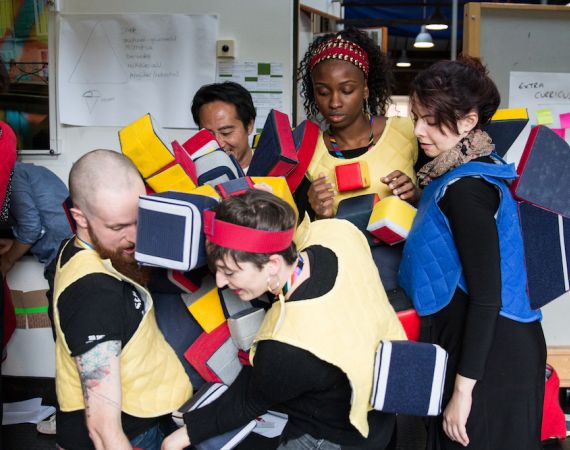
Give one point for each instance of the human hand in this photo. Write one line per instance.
(321, 197)
(457, 411)
(178, 440)
(6, 264)
(5, 245)
(263, 187)
(402, 186)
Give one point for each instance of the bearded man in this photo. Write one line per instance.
(115, 374)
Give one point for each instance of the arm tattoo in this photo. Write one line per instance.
(94, 366)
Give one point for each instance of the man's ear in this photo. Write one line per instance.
(468, 122)
(79, 217)
(250, 127)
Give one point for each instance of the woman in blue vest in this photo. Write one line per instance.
(463, 267)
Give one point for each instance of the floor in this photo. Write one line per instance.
(25, 436)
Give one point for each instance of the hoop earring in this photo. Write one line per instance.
(272, 289)
(366, 106)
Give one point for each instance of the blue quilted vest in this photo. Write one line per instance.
(431, 271)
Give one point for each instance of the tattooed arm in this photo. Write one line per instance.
(100, 376)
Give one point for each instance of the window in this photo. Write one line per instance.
(24, 100)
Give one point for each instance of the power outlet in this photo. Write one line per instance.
(226, 49)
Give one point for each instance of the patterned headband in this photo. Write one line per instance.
(343, 50)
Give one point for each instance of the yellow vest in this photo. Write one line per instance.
(153, 381)
(344, 326)
(397, 149)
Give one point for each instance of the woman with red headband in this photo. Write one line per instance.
(347, 81)
(314, 353)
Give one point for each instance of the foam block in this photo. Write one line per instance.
(231, 303)
(201, 143)
(142, 144)
(234, 187)
(169, 230)
(275, 154)
(357, 210)
(279, 188)
(182, 157)
(171, 178)
(204, 347)
(546, 238)
(543, 172)
(217, 167)
(225, 363)
(411, 323)
(207, 310)
(505, 126)
(409, 378)
(391, 220)
(352, 176)
(207, 394)
(244, 326)
(305, 137)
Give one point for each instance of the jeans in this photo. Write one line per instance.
(308, 442)
(151, 439)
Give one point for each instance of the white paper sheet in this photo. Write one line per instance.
(537, 91)
(27, 411)
(112, 69)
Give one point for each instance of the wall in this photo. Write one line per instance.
(262, 29)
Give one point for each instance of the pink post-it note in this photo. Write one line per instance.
(560, 132)
(565, 120)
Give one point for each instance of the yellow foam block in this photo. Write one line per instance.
(510, 113)
(280, 189)
(391, 220)
(142, 145)
(208, 311)
(207, 191)
(174, 178)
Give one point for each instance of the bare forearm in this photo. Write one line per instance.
(99, 372)
(17, 250)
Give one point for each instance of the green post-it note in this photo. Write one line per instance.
(544, 116)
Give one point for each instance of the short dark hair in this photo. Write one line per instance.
(227, 92)
(380, 78)
(452, 89)
(259, 210)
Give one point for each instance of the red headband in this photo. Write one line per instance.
(245, 239)
(343, 50)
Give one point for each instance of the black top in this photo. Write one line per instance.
(470, 205)
(92, 310)
(315, 394)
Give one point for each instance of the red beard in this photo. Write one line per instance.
(123, 264)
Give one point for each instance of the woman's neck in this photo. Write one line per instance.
(290, 271)
(355, 135)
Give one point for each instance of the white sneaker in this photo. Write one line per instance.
(47, 426)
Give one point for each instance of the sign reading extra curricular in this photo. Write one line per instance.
(546, 95)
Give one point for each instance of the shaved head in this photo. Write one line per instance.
(101, 174)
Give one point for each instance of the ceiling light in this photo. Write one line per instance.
(423, 39)
(437, 21)
(403, 61)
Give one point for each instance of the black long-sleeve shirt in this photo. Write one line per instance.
(470, 205)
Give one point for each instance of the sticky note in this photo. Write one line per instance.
(560, 132)
(544, 116)
(565, 120)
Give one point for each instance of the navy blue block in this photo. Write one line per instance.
(504, 133)
(179, 328)
(357, 211)
(543, 253)
(544, 171)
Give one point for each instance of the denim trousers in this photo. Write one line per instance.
(308, 442)
(151, 439)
